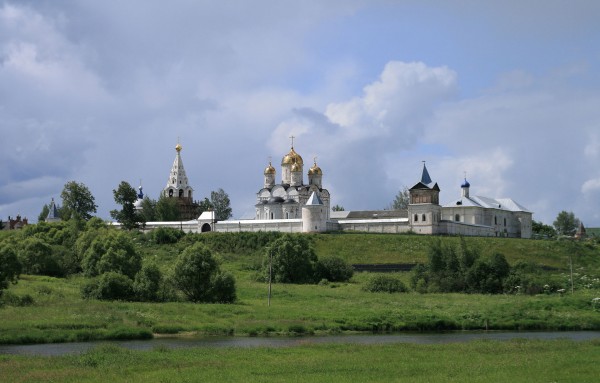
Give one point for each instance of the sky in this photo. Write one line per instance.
(506, 92)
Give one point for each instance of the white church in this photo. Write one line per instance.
(295, 206)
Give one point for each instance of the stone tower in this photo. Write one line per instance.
(178, 187)
(314, 215)
(424, 210)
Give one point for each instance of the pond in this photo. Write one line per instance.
(177, 342)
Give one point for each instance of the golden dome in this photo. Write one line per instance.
(315, 170)
(296, 167)
(292, 158)
(269, 169)
(178, 148)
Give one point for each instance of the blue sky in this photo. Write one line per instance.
(99, 92)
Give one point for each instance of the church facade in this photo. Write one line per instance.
(285, 200)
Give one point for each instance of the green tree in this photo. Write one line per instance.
(566, 223)
(109, 286)
(292, 259)
(37, 257)
(401, 200)
(334, 269)
(125, 195)
(10, 267)
(540, 229)
(337, 208)
(147, 283)
(148, 212)
(111, 251)
(167, 209)
(78, 202)
(197, 274)
(44, 213)
(203, 206)
(221, 204)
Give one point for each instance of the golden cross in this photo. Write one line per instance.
(292, 137)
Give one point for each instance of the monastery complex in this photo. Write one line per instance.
(295, 206)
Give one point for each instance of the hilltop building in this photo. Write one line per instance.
(53, 215)
(14, 224)
(285, 200)
(178, 187)
(295, 206)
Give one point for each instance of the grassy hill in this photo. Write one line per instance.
(55, 311)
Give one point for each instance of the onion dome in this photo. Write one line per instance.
(292, 158)
(465, 184)
(269, 169)
(315, 170)
(296, 167)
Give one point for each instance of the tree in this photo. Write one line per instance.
(148, 212)
(401, 200)
(37, 257)
(221, 204)
(540, 229)
(334, 269)
(292, 260)
(125, 195)
(111, 251)
(78, 202)
(167, 209)
(337, 208)
(566, 223)
(204, 205)
(197, 274)
(147, 283)
(10, 267)
(44, 213)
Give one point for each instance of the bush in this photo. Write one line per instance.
(109, 286)
(165, 235)
(293, 260)
(384, 283)
(112, 251)
(147, 283)
(197, 274)
(37, 258)
(10, 267)
(333, 269)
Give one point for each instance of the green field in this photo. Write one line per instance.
(59, 314)
(480, 361)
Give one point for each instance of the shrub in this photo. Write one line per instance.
(147, 283)
(197, 274)
(10, 267)
(165, 235)
(293, 260)
(109, 286)
(37, 258)
(383, 283)
(112, 251)
(333, 269)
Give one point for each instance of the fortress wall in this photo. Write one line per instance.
(282, 225)
(459, 228)
(391, 226)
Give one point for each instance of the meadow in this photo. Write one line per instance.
(57, 312)
(479, 361)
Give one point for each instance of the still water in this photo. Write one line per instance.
(437, 338)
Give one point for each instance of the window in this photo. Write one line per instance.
(416, 218)
(423, 218)
(271, 215)
(457, 217)
(495, 220)
(180, 193)
(504, 221)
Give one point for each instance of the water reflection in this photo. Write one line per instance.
(245, 342)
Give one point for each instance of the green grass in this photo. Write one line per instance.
(58, 313)
(480, 361)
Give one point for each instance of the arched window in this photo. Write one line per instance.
(170, 192)
(457, 218)
(504, 221)
(495, 220)
(416, 218)
(180, 193)
(271, 215)
(423, 218)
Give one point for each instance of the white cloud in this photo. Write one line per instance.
(591, 186)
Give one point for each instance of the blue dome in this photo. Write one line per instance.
(465, 184)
